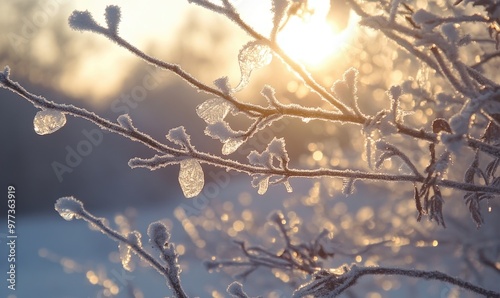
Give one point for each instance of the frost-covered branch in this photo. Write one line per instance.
(327, 284)
(70, 208)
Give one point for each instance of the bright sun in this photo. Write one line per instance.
(312, 39)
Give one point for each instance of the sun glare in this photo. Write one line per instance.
(312, 39)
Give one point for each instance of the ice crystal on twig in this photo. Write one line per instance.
(48, 121)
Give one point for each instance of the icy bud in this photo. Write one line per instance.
(342, 91)
(113, 16)
(48, 121)
(83, 21)
(179, 136)
(69, 208)
(213, 110)
(223, 85)
(126, 122)
(158, 234)
(253, 55)
(351, 77)
(191, 177)
(236, 290)
(4, 75)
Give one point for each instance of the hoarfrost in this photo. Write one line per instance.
(48, 121)
(113, 16)
(179, 136)
(126, 122)
(275, 149)
(158, 234)
(69, 207)
(83, 21)
(191, 177)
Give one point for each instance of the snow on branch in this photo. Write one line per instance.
(328, 285)
(70, 208)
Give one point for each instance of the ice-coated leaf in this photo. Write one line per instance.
(263, 186)
(191, 177)
(213, 110)
(288, 186)
(231, 145)
(48, 121)
(179, 136)
(253, 55)
(69, 207)
(261, 182)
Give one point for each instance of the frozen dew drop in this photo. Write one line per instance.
(48, 121)
(213, 110)
(232, 145)
(191, 177)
